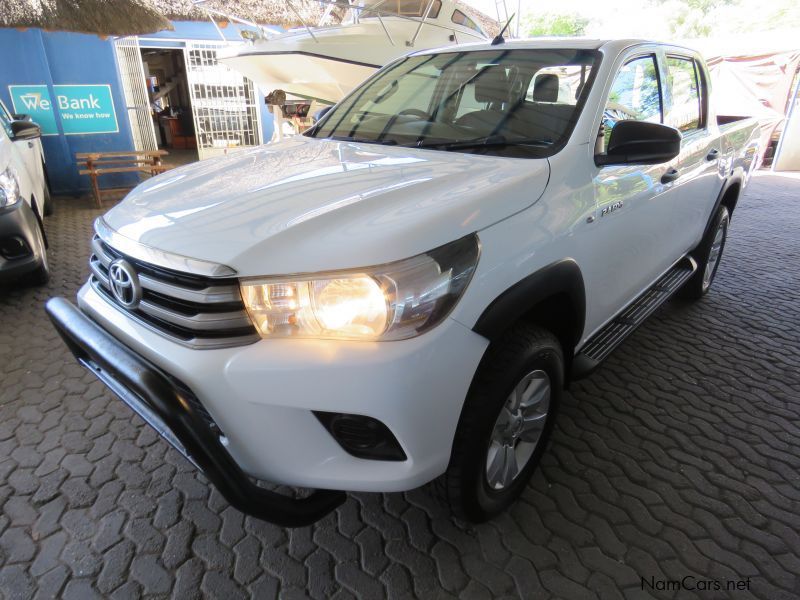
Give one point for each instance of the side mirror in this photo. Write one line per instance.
(21, 117)
(25, 130)
(640, 143)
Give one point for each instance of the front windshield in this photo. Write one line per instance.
(511, 102)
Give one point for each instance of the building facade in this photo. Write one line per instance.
(163, 90)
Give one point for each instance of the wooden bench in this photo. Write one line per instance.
(95, 164)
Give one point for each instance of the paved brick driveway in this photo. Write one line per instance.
(680, 457)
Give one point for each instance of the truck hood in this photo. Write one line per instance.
(309, 205)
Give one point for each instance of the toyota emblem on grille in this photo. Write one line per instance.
(124, 283)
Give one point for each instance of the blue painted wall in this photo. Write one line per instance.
(36, 57)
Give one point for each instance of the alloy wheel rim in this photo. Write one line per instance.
(714, 253)
(518, 429)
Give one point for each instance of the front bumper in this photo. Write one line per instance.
(166, 408)
(262, 396)
(20, 224)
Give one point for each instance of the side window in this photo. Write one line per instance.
(685, 112)
(635, 94)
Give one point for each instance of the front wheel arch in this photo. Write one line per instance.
(40, 219)
(554, 298)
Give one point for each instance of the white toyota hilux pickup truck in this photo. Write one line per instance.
(402, 293)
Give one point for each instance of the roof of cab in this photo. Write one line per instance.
(547, 43)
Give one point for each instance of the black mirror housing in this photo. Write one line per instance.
(25, 130)
(22, 117)
(322, 112)
(640, 143)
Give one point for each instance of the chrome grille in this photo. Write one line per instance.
(197, 311)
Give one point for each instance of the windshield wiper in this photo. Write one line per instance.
(488, 142)
(349, 138)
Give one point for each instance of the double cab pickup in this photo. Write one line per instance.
(401, 294)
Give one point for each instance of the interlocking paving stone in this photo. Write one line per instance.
(680, 456)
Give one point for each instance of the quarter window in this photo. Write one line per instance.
(684, 113)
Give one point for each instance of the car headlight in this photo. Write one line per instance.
(9, 188)
(393, 301)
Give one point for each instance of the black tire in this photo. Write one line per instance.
(523, 350)
(698, 284)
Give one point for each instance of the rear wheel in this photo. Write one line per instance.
(708, 255)
(506, 422)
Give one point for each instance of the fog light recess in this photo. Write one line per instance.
(362, 436)
(13, 248)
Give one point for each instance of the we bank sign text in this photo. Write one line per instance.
(83, 108)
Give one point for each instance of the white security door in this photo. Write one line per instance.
(224, 106)
(137, 102)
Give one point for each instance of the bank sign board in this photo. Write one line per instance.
(84, 109)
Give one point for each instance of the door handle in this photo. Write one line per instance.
(713, 154)
(671, 175)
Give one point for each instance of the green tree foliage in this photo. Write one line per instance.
(554, 24)
(693, 18)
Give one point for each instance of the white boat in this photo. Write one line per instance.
(326, 62)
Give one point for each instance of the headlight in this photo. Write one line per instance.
(388, 302)
(9, 188)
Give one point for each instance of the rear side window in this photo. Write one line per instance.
(685, 111)
(635, 95)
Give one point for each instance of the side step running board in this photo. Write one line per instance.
(603, 343)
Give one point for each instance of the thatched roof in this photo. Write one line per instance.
(265, 12)
(278, 12)
(105, 17)
(489, 25)
(129, 17)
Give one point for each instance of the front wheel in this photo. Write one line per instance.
(707, 255)
(505, 423)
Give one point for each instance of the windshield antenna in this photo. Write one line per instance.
(499, 39)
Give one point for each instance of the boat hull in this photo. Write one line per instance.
(326, 79)
(327, 65)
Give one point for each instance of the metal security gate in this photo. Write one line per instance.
(226, 113)
(137, 102)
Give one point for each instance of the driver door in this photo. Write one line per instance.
(632, 226)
